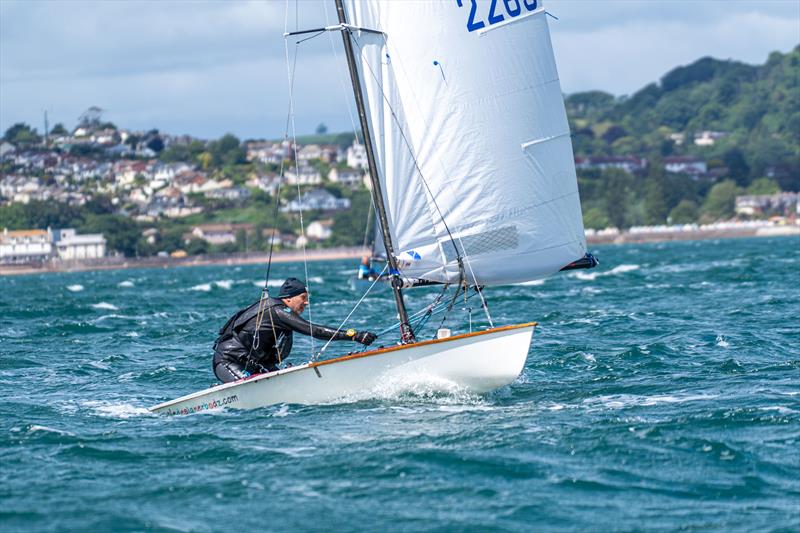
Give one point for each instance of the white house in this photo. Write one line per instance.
(25, 246)
(627, 163)
(357, 156)
(708, 138)
(305, 175)
(347, 176)
(681, 164)
(320, 230)
(318, 199)
(70, 245)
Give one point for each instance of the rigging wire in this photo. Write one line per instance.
(317, 355)
(290, 71)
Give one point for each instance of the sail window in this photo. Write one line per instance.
(504, 238)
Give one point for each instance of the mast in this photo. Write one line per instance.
(406, 333)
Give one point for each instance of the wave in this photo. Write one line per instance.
(105, 305)
(75, 288)
(116, 410)
(126, 283)
(619, 269)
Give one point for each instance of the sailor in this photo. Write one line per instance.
(365, 270)
(247, 347)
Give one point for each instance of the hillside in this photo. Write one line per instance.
(757, 107)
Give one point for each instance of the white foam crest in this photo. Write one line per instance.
(622, 401)
(224, 284)
(126, 283)
(721, 342)
(75, 288)
(116, 410)
(532, 283)
(105, 305)
(619, 269)
(44, 429)
(203, 287)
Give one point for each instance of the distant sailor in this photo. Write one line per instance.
(247, 347)
(365, 270)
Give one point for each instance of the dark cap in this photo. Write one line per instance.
(291, 287)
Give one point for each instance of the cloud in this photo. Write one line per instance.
(207, 67)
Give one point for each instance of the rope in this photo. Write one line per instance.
(290, 70)
(315, 357)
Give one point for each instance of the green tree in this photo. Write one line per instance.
(121, 232)
(22, 134)
(721, 200)
(59, 129)
(595, 218)
(617, 196)
(683, 213)
(763, 186)
(655, 203)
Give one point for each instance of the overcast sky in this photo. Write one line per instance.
(207, 67)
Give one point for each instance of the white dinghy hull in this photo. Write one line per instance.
(476, 362)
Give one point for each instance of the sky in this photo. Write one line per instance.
(209, 67)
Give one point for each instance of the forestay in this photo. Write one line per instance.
(469, 127)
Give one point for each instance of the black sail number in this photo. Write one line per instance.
(513, 8)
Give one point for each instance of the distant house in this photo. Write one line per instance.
(266, 182)
(682, 164)
(25, 246)
(217, 233)
(305, 175)
(70, 245)
(347, 176)
(627, 163)
(228, 193)
(268, 152)
(308, 153)
(318, 199)
(357, 156)
(781, 204)
(320, 230)
(6, 149)
(708, 138)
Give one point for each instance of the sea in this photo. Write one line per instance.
(661, 392)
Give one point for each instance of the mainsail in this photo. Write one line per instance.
(470, 137)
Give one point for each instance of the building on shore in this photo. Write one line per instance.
(69, 245)
(38, 245)
(25, 246)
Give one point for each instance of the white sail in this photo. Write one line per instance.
(471, 136)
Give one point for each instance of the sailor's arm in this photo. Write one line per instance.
(299, 324)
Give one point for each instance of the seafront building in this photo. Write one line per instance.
(36, 246)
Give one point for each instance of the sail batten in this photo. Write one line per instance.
(472, 143)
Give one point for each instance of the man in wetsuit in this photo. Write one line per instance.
(247, 347)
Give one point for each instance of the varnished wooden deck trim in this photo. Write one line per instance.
(421, 343)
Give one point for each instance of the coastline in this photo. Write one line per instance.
(636, 236)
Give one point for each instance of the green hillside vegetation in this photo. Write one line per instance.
(758, 107)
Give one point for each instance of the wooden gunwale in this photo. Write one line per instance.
(420, 343)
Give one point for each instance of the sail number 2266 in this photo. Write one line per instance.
(496, 14)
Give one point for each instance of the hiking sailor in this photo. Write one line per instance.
(253, 342)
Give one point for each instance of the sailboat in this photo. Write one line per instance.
(473, 183)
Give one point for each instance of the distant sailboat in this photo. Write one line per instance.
(473, 182)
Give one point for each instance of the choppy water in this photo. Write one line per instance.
(662, 391)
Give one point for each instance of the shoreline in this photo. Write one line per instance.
(329, 254)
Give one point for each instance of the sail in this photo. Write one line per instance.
(470, 136)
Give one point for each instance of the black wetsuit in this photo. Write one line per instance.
(237, 355)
